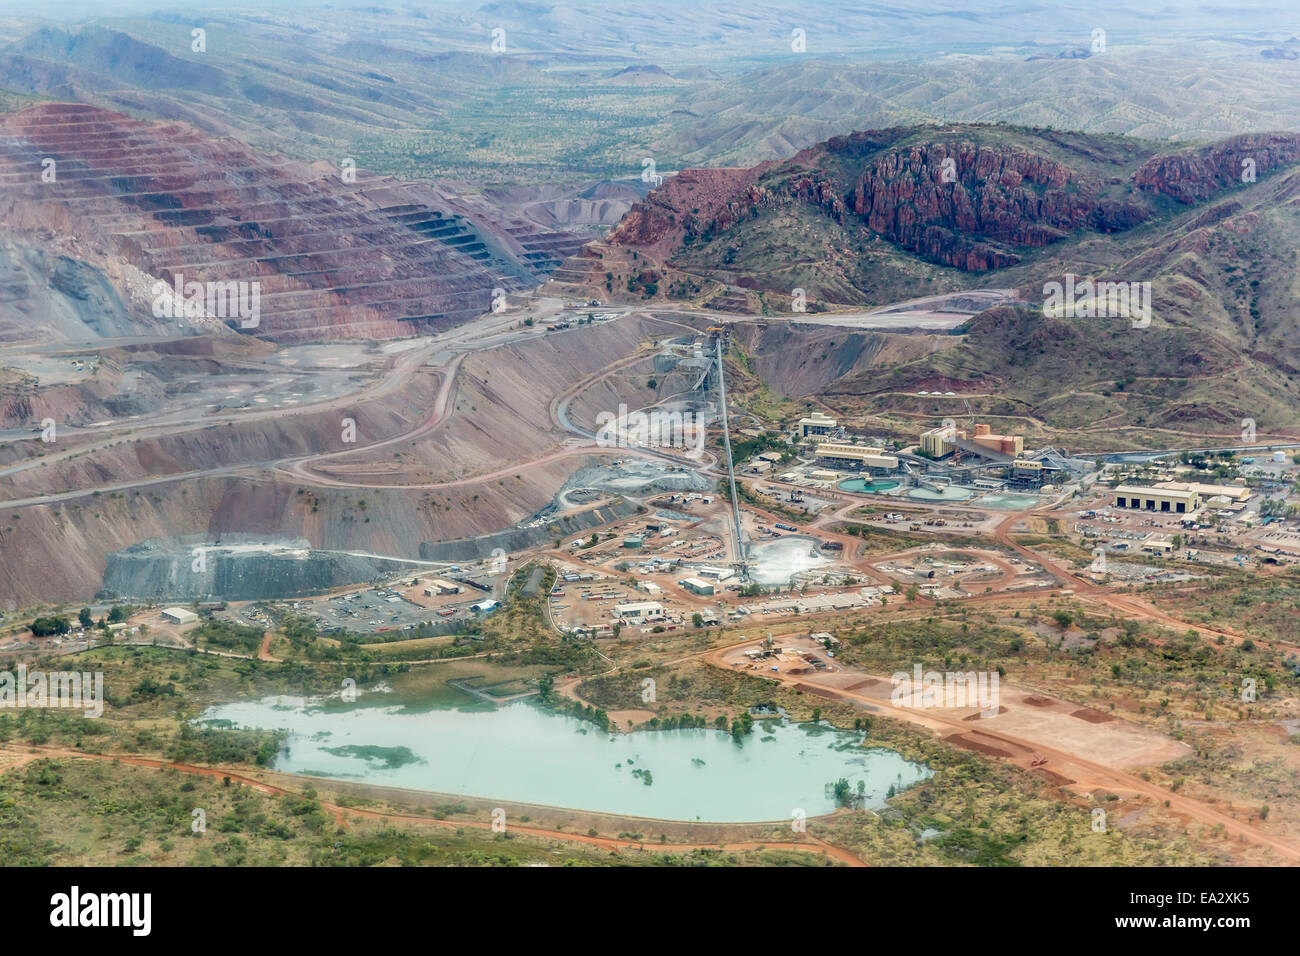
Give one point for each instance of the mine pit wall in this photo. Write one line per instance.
(503, 398)
(101, 396)
(59, 553)
(786, 354)
(520, 539)
(629, 385)
(225, 445)
(167, 574)
(23, 406)
(626, 386)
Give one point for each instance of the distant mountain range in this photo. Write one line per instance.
(581, 92)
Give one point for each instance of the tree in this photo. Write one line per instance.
(45, 626)
(85, 617)
(843, 793)
(697, 619)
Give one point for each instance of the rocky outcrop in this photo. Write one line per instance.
(1197, 175)
(686, 204)
(974, 198)
(946, 200)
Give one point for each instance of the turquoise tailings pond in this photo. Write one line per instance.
(523, 753)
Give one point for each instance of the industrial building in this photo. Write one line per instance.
(1157, 499)
(942, 441)
(856, 457)
(178, 615)
(1013, 445)
(717, 574)
(938, 442)
(1237, 494)
(639, 611)
(1025, 471)
(816, 424)
(1157, 546)
(439, 587)
(698, 586)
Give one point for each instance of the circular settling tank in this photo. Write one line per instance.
(868, 485)
(1009, 502)
(948, 494)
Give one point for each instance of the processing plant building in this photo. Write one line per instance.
(942, 441)
(856, 457)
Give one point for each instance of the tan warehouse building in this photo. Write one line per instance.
(1173, 501)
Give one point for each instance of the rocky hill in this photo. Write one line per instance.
(1211, 231)
(856, 220)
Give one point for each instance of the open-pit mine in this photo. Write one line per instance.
(468, 443)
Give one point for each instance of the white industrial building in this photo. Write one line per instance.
(698, 586)
(639, 611)
(717, 574)
(178, 615)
